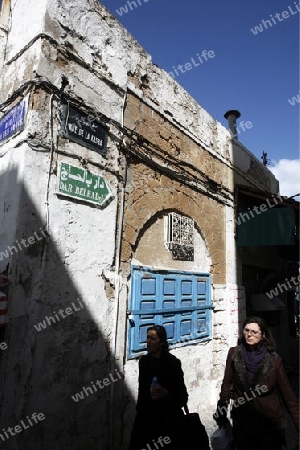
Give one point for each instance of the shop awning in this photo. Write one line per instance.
(270, 227)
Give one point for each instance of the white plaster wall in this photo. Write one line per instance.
(85, 237)
(21, 30)
(11, 169)
(101, 41)
(43, 369)
(106, 44)
(17, 73)
(243, 161)
(27, 21)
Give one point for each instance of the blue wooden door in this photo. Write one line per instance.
(180, 301)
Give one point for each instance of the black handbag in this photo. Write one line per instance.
(187, 432)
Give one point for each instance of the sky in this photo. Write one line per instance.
(255, 72)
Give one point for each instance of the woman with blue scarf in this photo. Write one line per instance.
(254, 373)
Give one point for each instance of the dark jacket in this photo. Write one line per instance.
(152, 414)
(261, 407)
(168, 370)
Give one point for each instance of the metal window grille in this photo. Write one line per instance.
(179, 236)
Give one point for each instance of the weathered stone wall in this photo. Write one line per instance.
(164, 153)
(249, 171)
(150, 192)
(157, 128)
(170, 170)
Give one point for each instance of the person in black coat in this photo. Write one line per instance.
(164, 402)
(253, 376)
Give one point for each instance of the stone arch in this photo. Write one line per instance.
(151, 236)
(149, 249)
(206, 212)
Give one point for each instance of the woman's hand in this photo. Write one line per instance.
(158, 392)
(220, 416)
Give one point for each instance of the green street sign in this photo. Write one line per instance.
(79, 183)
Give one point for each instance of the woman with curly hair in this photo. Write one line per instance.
(253, 374)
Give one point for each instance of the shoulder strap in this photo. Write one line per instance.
(186, 409)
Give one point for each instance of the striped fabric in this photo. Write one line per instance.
(3, 310)
(3, 280)
(3, 301)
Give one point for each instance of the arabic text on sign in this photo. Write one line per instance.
(79, 183)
